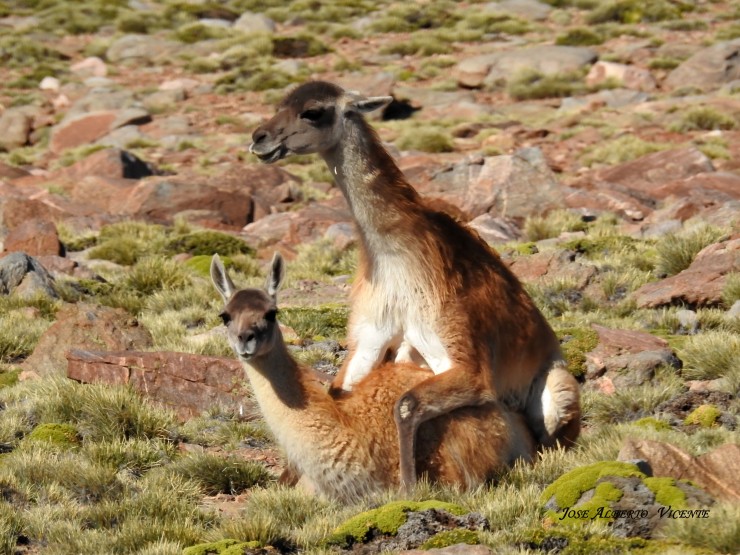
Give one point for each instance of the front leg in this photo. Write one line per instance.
(440, 394)
(370, 344)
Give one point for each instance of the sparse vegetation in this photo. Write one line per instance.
(96, 469)
(704, 119)
(676, 251)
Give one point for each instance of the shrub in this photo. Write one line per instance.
(155, 273)
(676, 251)
(426, 139)
(217, 474)
(298, 46)
(19, 335)
(531, 84)
(580, 36)
(195, 32)
(207, 243)
(633, 11)
(704, 119)
(711, 355)
(622, 149)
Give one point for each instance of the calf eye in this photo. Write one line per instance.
(313, 114)
(225, 318)
(270, 315)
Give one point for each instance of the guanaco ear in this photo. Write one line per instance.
(221, 279)
(364, 104)
(276, 275)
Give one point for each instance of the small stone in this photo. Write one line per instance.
(49, 84)
(90, 67)
(254, 23)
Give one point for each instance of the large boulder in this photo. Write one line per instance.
(491, 69)
(627, 357)
(24, 276)
(601, 490)
(35, 237)
(701, 284)
(85, 326)
(89, 127)
(717, 472)
(709, 68)
(188, 384)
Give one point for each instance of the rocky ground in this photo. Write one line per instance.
(595, 145)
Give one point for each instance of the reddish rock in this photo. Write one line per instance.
(646, 175)
(604, 199)
(631, 77)
(34, 237)
(11, 172)
(89, 127)
(110, 162)
(701, 284)
(188, 384)
(58, 264)
(84, 326)
(292, 228)
(717, 472)
(626, 357)
(551, 265)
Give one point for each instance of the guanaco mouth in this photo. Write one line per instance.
(272, 156)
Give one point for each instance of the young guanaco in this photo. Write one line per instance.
(347, 447)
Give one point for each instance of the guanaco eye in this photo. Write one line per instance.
(313, 114)
(225, 318)
(270, 315)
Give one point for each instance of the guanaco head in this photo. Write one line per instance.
(250, 314)
(310, 119)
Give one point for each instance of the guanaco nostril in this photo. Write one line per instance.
(246, 337)
(259, 135)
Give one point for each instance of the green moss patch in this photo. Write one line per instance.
(593, 247)
(385, 520)
(568, 489)
(62, 435)
(207, 243)
(575, 343)
(666, 492)
(705, 416)
(451, 537)
(569, 541)
(654, 423)
(9, 378)
(222, 547)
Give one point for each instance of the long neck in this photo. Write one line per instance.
(309, 426)
(278, 381)
(375, 188)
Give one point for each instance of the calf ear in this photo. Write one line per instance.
(365, 105)
(221, 279)
(276, 275)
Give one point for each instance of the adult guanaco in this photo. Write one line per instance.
(428, 287)
(346, 448)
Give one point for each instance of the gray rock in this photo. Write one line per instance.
(103, 98)
(495, 230)
(512, 186)
(121, 137)
(161, 100)
(255, 23)
(141, 48)
(290, 66)
(23, 275)
(734, 311)
(526, 9)
(688, 320)
(15, 127)
(342, 235)
(709, 68)
(491, 69)
(218, 23)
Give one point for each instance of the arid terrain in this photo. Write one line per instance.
(594, 144)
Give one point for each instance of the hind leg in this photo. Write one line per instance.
(554, 408)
